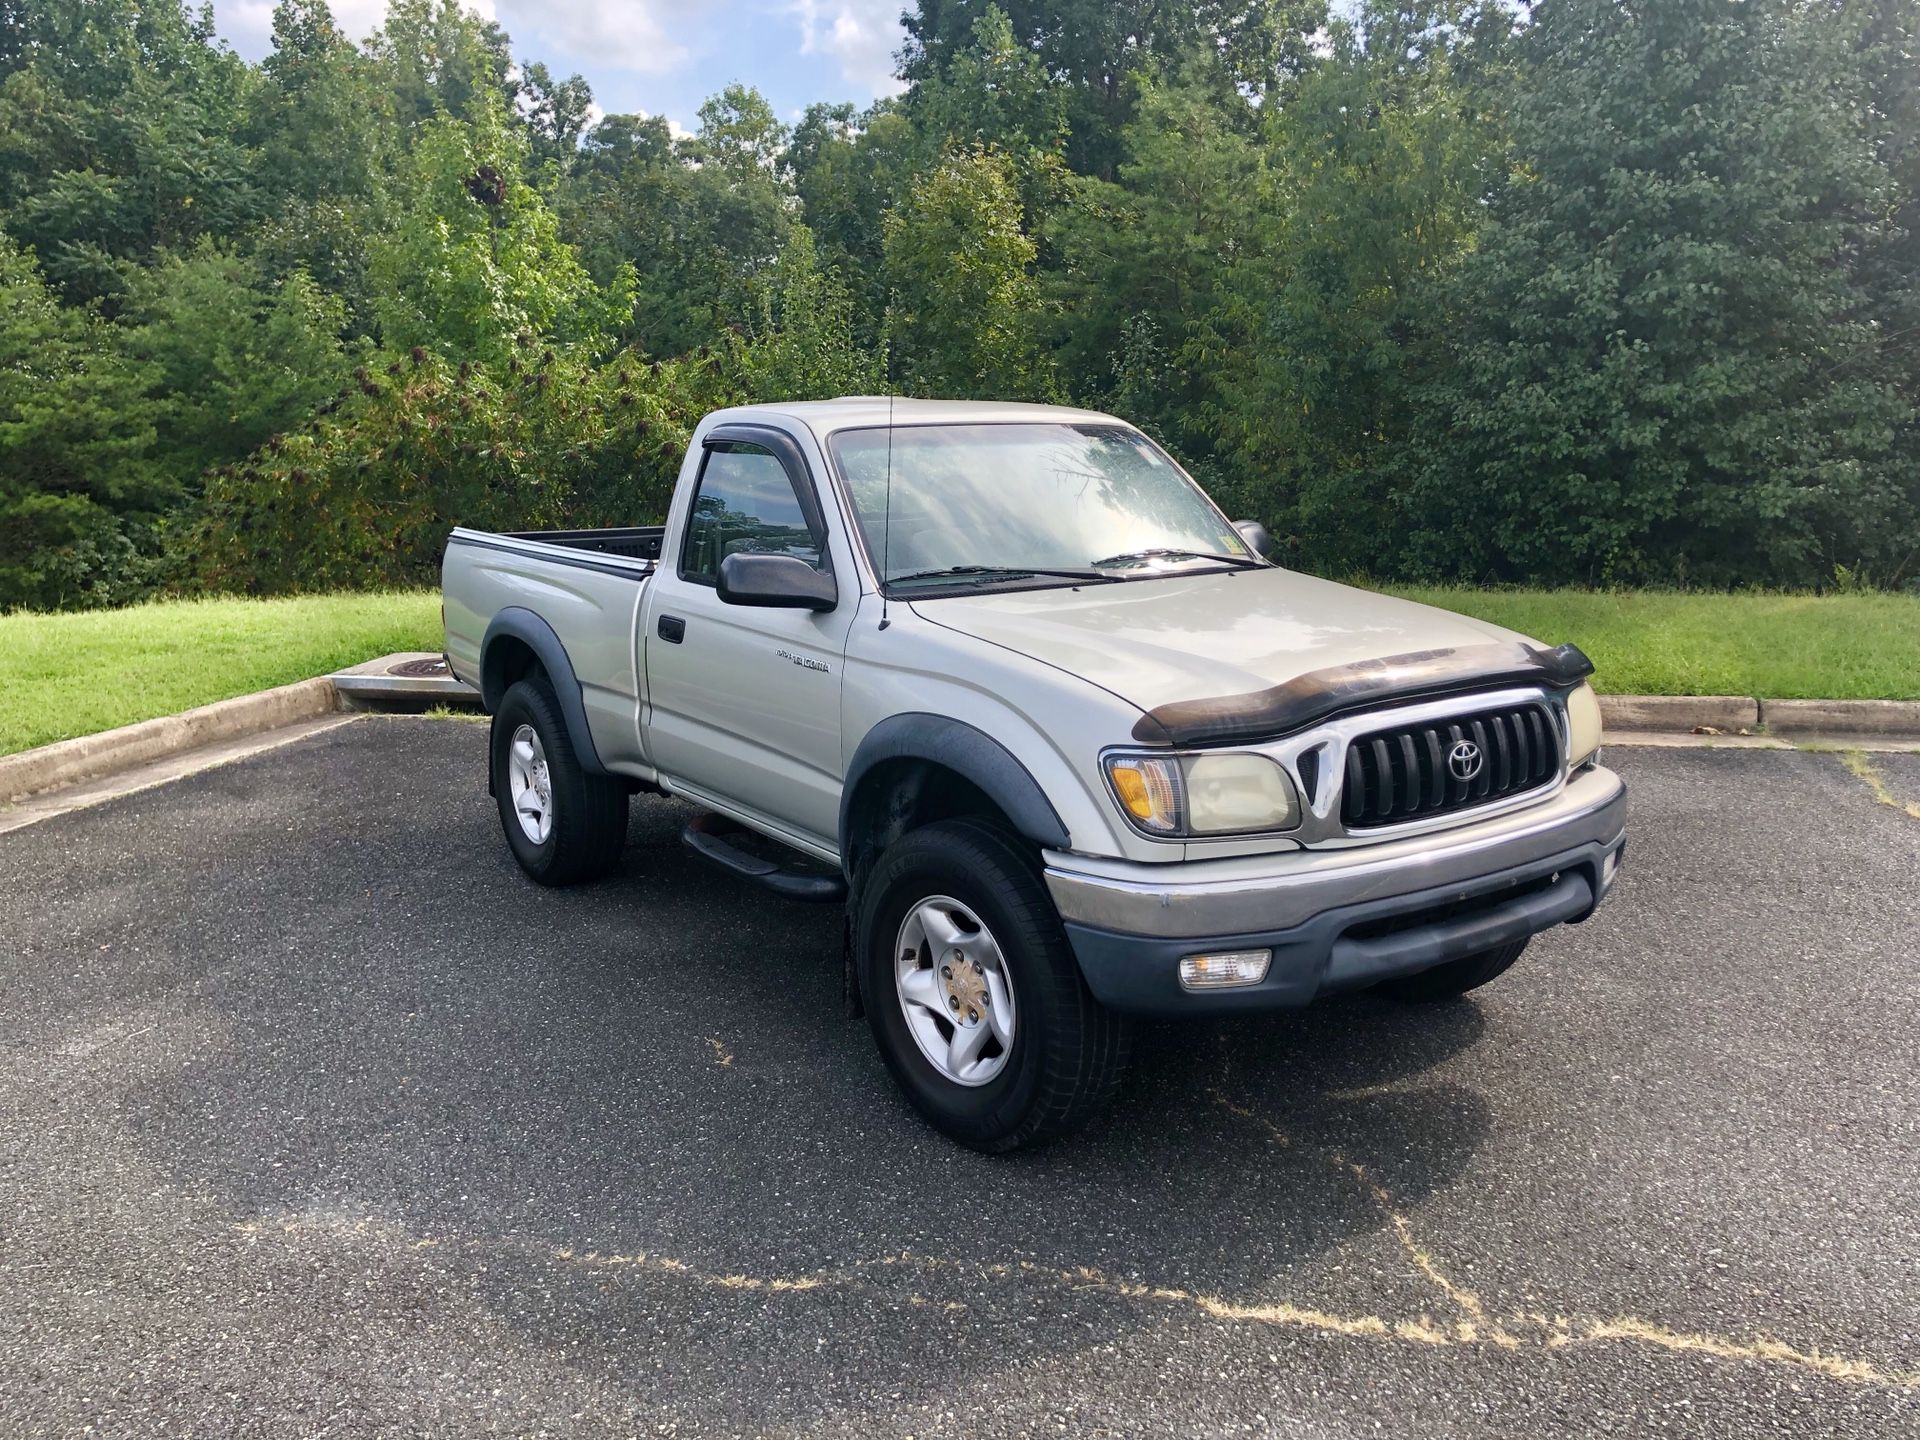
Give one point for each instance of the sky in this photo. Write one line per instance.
(660, 58)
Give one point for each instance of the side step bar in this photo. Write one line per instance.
(705, 836)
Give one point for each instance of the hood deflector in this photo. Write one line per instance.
(1317, 695)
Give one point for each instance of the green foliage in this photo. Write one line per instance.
(802, 345)
(1101, 49)
(231, 358)
(965, 306)
(993, 91)
(473, 257)
(78, 507)
(1144, 257)
(721, 199)
(1666, 368)
(1440, 289)
(120, 124)
(1327, 318)
(364, 494)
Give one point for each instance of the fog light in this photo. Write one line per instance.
(1217, 972)
(1608, 867)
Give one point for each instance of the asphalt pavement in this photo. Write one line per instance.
(316, 1118)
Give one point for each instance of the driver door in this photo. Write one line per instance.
(744, 701)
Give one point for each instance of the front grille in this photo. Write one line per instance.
(1403, 773)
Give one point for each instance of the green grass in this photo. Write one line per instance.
(1780, 647)
(67, 675)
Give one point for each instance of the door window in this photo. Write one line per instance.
(745, 504)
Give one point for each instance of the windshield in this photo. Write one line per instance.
(972, 502)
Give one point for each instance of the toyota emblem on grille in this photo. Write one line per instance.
(1465, 760)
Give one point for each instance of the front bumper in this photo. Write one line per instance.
(1340, 918)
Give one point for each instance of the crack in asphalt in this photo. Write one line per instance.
(1476, 1324)
(1864, 769)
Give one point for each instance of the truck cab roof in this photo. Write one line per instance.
(860, 412)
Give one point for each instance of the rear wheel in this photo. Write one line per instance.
(1456, 977)
(562, 824)
(973, 993)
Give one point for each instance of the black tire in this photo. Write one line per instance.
(1068, 1050)
(589, 826)
(1455, 978)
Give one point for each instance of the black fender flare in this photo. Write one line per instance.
(971, 753)
(537, 635)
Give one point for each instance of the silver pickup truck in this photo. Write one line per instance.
(1004, 681)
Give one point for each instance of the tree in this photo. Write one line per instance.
(1142, 258)
(231, 358)
(992, 91)
(739, 134)
(79, 505)
(966, 312)
(475, 260)
(363, 495)
(700, 223)
(556, 113)
(121, 125)
(1328, 317)
(848, 169)
(436, 59)
(1889, 268)
(801, 345)
(1099, 49)
(1666, 364)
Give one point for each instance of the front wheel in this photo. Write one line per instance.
(562, 824)
(974, 995)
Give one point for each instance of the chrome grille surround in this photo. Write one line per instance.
(1316, 760)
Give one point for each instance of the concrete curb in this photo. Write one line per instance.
(1841, 717)
(412, 679)
(90, 757)
(1731, 713)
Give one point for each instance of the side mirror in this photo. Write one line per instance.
(1256, 536)
(780, 582)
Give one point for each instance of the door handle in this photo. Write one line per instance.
(672, 629)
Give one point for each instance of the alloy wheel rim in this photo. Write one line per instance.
(529, 784)
(954, 990)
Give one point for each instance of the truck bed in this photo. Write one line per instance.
(635, 542)
(581, 588)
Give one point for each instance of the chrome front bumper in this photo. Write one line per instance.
(1277, 892)
(1340, 919)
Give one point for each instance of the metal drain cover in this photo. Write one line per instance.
(432, 665)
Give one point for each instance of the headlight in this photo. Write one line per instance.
(1174, 796)
(1583, 725)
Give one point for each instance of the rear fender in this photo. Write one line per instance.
(518, 623)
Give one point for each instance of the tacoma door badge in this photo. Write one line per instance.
(805, 662)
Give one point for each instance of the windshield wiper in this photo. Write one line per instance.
(983, 573)
(1166, 553)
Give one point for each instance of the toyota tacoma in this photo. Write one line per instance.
(1004, 682)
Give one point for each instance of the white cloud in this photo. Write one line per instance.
(860, 36)
(614, 34)
(674, 127)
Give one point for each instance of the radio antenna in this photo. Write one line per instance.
(886, 519)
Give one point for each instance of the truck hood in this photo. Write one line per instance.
(1181, 638)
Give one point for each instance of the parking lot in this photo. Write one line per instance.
(317, 1118)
